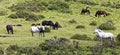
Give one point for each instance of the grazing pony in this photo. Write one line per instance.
(9, 28)
(36, 28)
(85, 10)
(102, 35)
(57, 25)
(48, 23)
(101, 12)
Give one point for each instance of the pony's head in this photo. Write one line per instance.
(97, 31)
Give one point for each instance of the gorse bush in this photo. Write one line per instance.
(47, 29)
(59, 6)
(80, 37)
(2, 12)
(88, 2)
(28, 16)
(34, 6)
(37, 6)
(118, 39)
(112, 5)
(93, 23)
(71, 0)
(80, 27)
(13, 16)
(57, 43)
(72, 21)
(107, 26)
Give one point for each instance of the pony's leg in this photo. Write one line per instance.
(43, 34)
(39, 33)
(12, 31)
(7, 31)
(104, 15)
(101, 41)
(32, 33)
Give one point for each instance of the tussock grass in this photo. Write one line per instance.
(23, 36)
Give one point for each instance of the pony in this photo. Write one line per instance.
(101, 12)
(102, 35)
(85, 10)
(57, 25)
(36, 28)
(48, 23)
(9, 28)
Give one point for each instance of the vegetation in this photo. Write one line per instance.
(75, 36)
(107, 26)
(80, 27)
(80, 37)
(93, 23)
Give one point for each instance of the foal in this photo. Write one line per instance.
(9, 28)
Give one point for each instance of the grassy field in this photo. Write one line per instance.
(22, 35)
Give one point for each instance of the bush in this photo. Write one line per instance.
(88, 2)
(47, 29)
(59, 6)
(112, 5)
(57, 43)
(107, 26)
(96, 38)
(72, 21)
(14, 16)
(40, 16)
(80, 37)
(3, 13)
(34, 6)
(93, 23)
(28, 16)
(66, 11)
(118, 39)
(80, 26)
(52, 7)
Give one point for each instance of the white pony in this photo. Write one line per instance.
(36, 28)
(101, 34)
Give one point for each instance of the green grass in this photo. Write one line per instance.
(22, 35)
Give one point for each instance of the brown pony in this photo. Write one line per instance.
(85, 10)
(101, 12)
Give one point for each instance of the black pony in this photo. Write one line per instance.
(57, 25)
(101, 12)
(9, 29)
(85, 10)
(48, 23)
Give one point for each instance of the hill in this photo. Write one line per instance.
(63, 15)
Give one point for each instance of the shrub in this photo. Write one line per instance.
(80, 37)
(3, 13)
(80, 26)
(57, 43)
(96, 38)
(34, 6)
(14, 16)
(93, 23)
(59, 6)
(112, 5)
(88, 2)
(72, 21)
(40, 16)
(66, 11)
(52, 7)
(47, 29)
(107, 26)
(28, 16)
(118, 39)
